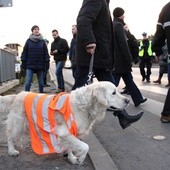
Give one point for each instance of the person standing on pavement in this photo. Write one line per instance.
(35, 58)
(163, 66)
(46, 69)
(72, 52)
(123, 58)
(145, 54)
(95, 36)
(59, 49)
(162, 34)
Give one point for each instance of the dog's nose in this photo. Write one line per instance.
(127, 101)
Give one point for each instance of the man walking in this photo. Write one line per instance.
(162, 34)
(59, 49)
(72, 52)
(123, 58)
(145, 54)
(95, 36)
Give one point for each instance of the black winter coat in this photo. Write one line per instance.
(163, 31)
(62, 48)
(35, 55)
(72, 52)
(122, 55)
(94, 25)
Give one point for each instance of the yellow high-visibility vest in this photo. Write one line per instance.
(40, 110)
(141, 52)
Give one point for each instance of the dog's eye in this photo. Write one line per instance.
(114, 93)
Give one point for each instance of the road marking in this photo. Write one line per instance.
(152, 106)
(154, 89)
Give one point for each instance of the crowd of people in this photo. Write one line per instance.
(114, 49)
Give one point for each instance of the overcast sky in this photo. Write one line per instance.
(16, 21)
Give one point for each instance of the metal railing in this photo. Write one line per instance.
(7, 66)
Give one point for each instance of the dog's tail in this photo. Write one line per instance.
(6, 102)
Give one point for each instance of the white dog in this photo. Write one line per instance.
(88, 104)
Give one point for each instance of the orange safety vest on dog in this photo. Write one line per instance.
(40, 110)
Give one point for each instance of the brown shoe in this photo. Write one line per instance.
(165, 119)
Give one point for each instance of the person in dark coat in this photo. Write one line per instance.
(134, 50)
(59, 49)
(46, 70)
(163, 66)
(95, 36)
(35, 58)
(72, 52)
(123, 58)
(94, 33)
(162, 34)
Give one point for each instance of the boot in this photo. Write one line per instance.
(148, 79)
(125, 119)
(157, 81)
(168, 85)
(143, 78)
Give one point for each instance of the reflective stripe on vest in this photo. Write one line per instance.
(141, 52)
(40, 111)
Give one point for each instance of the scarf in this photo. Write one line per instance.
(36, 38)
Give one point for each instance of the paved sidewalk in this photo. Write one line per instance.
(8, 85)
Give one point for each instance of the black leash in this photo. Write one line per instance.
(90, 75)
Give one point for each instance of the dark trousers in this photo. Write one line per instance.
(73, 67)
(166, 108)
(100, 74)
(130, 85)
(145, 63)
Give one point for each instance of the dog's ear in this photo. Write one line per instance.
(99, 92)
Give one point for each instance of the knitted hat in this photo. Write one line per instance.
(118, 12)
(34, 27)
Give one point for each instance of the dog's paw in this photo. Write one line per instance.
(81, 159)
(13, 152)
(73, 160)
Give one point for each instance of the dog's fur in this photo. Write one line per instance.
(88, 104)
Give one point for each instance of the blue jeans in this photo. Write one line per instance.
(82, 76)
(131, 86)
(59, 74)
(29, 76)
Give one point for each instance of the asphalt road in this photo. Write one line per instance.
(134, 148)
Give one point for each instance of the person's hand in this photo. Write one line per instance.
(54, 52)
(126, 27)
(91, 48)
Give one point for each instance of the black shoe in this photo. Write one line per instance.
(125, 119)
(148, 80)
(143, 78)
(142, 101)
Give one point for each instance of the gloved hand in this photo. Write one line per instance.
(23, 65)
